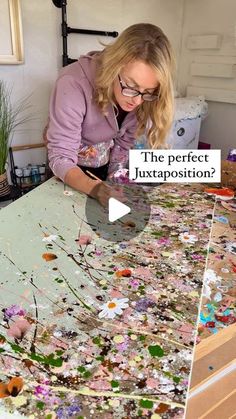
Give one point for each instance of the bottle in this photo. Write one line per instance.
(19, 175)
(26, 175)
(35, 174)
(42, 170)
(140, 143)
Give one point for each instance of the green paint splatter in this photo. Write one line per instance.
(40, 405)
(156, 350)
(142, 337)
(147, 404)
(97, 340)
(100, 358)
(114, 384)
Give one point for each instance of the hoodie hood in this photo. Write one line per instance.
(85, 67)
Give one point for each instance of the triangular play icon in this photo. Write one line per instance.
(116, 210)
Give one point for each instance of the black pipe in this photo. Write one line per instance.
(70, 61)
(92, 32)
(65, 30)
(64, 34)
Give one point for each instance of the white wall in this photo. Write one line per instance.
(204, 17)
(117, 15)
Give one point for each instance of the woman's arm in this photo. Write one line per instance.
(76, 178)
(122, 144)
(67, 111)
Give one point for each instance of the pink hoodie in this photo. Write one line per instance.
(76, 124)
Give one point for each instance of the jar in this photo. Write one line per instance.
(42, 170)
(26, 175)
(19, 175)
(35, 174)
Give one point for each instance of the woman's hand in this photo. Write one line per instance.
(102, 192)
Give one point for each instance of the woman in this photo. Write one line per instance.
(102, 102)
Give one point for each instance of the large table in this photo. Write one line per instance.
(92, 328)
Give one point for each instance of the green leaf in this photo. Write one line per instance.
(156, 350)
(157, 233)
(176, 379)
(60, 237)
(168, 204)
(59, 352)
(81, 369)
(147, 404)
(2, 350)
(48, 360)
(115, 384)
(97, 340)
(142, 337)
(54, 362)
(36, 357)
(58, 280)
(16, 348)
(40, 405)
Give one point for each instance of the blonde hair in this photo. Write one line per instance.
(144, 42)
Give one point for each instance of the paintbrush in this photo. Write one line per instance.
(93, 176)
(97, 178)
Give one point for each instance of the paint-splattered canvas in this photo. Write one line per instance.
(91, 328)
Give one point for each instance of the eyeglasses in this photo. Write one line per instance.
(129, 92)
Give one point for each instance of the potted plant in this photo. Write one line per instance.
(11, 116)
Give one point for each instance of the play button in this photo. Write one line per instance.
(117, 210)
(120, 221)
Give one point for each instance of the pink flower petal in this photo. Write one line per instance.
(84, 239)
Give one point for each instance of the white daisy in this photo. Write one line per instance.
(113, 307)
(188, 238)
(68, 193)
(50, 238)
